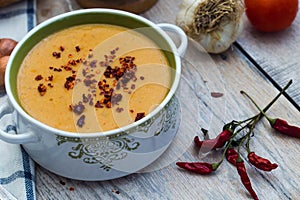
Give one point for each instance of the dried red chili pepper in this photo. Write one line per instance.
(231, 155)
(261, 163)
(244, 177)
(282, 126)
(217, 142)
(198, 167)
(278, 124)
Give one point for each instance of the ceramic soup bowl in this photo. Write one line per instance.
(102, 155)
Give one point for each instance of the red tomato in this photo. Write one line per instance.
(271, 15)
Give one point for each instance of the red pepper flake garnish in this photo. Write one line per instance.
(49, 78)
(61, 48)
(108, 104)
(91, 102)
(87, 98)
(81, 121)
(132, 111)
(77, 48)
(142, 77)
(70, 82)
(88, 82)
(50, 67)
(66, 67)
(132, 86)
(116, 98)
(102, 64)
(118, 109)
(99, 104)
(125, 73)
(50, 85)
(78, 108)
(42, 89)
(93, 63)
(90, 55)
(56, 54)
(139, 116)
(72, 62)
(57, 69)
(127, 77)
(84, 72)
(38, 77)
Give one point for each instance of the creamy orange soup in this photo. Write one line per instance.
(92, 78)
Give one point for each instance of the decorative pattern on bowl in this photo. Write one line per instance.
(105, 150)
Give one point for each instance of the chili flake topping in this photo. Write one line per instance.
(56, 54)
(116, 78)
(77, 48)
(70, 82)
(42, 89)
(78, 108)
(38, 77)
(139, 116)
(81, 121)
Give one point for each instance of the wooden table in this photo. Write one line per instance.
(257, 63)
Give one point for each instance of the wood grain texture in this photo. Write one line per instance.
(47, 9)
(277, 53)
(202, 74)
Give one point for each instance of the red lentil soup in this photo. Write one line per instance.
(92, 78)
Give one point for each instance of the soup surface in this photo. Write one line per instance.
(91, 78)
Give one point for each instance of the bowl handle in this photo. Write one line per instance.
(28, 137)
(182, 36)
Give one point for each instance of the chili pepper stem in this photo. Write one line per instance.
(263, 111)
(248, 145)
(216, 165)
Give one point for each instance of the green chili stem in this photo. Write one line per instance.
(278, 95)
(263, 111)
(248, 145)
(224, 152)
(243, 140)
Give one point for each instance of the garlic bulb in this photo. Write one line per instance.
(215, 24)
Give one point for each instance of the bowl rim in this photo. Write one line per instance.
(108, 133)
